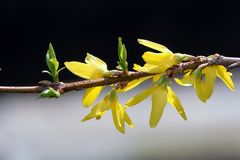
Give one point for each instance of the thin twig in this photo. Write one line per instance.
(83, 84)
(232, 66)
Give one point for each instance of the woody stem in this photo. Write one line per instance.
(193, 63)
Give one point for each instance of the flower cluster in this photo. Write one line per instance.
(203, 80)
(92, 69)
(161, 94)
(156, 65)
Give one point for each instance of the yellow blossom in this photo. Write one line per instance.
(204, 82)
(99, 109)
(157, 62)
(119, 113)
(92, 69)
(161, 94)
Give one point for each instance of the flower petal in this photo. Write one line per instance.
(225, 76)
(199, 86)
(90, 95)
(127, 119)
(89, 116)
(159, 101)
(90, 59)
(149, 68)
(137, 67)
(187, 80)
(156, 78)
(210, 77)
(161, 59)
(153, 45)
(140, 96)
(98, 109)
(83, 70)
(173, 99)
(118, 117)
(133, 84)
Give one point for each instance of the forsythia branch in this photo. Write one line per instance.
(192, 63)
(199, 72)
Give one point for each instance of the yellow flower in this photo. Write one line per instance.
(92, 69)
(132, 84)
(158, 62)
(161, 94)
(99, 109)
(204, 82)
(119, 113)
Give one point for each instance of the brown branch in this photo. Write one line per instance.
(22, 89)
(193, 63)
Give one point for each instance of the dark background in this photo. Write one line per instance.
(76, 27)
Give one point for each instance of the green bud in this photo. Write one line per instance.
(51, 51)
(52, 64)
(49, 93)
(122, 55)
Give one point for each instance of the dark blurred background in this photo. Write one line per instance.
(76, 27)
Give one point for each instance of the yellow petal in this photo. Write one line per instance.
(225, 76)
(118, 118)
(210, 77)
(173, 99)
(90, 59)
(140, 96)
(156, 78)
(159, 101)
(133, 84)
(121, 116)
(90, 95)
(161, 59)
(106, 100)
(83, 70)
(149, 68)
(153, 45)
(99, 115)
(136, 67)
(155, 69)
(89, 116)
(127, 119)
(187, 80)
(98, 109)
(199, 86)
(93, 115)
